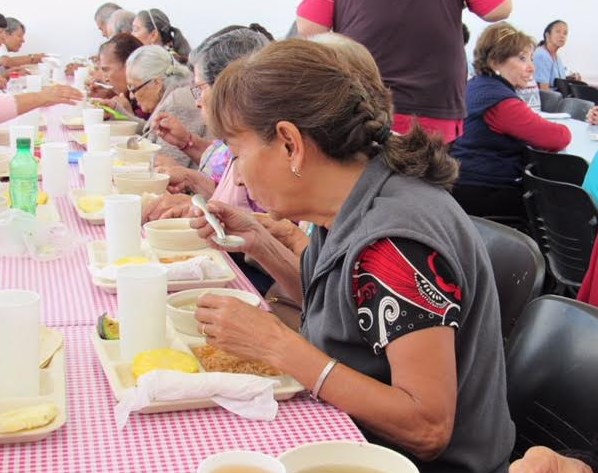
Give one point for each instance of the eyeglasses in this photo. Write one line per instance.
(134, 90)
(196, 90)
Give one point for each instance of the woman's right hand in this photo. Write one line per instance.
(180, 178)
(235, 222)
(171, 129)
(592, 116)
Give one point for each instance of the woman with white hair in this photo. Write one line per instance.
(153, 27)
(160, 84)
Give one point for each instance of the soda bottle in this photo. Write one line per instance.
(23, 176)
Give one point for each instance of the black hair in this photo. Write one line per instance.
(2, 21)
(548, 30)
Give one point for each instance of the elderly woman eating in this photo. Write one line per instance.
(160, 84)
(401, 324)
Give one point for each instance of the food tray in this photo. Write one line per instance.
(96, 251)
(120, 375)
(96, 218)
(52, 389)
(72, 122)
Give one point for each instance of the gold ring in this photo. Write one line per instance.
(203, 330)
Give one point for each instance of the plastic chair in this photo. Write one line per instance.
(577, 108)
(564, 86)
(584, 92)
(549, 100)
(557, 166)
(552, 375)
(563, 221)
(518, 267)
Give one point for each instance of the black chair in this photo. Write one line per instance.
(518, 268)
(557, 166)
(563, 220)
(552, 375)
(585, 92)
(577, 108)
(549, 100)
(564, 86)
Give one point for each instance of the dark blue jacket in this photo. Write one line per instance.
(487, 158)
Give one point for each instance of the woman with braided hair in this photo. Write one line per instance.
(153, 27)
(401, 324)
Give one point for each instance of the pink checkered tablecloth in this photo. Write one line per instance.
(167, 442)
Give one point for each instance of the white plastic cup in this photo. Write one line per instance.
(141, 299)
(21, 131)
(58, 76)
(241, 458)
(55, 168)
(33, 83)
(122, 217)
(80, 76)
(97, 169)
(98, 137)
(44, 70)
(32, 118)
(92, 116)
(19, 343)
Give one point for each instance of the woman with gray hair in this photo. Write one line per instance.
(153, 27)
(121, 21)
(160, 84)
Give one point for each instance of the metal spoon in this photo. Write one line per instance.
(133, 141)
(221, 237)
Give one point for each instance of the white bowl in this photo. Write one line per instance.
(365, 455)
(122, 127)
(238, 460)
(180, 307)
(141, 182)
(141, 155)
(173, 234)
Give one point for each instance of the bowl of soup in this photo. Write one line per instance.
(345, 457)
(141, 155)
(122, 127)
(173, 234)
(141, 182)
(181, 306)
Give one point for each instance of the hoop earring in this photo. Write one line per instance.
(295, 171)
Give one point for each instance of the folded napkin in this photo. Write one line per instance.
(246, 395)
(199, 268)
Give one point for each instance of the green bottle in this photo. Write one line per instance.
(23, 176)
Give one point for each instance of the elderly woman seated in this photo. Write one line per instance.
(401, 319)
(499, 126)
(160, 84)
(153, 27)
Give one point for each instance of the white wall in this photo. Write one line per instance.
(67, 27)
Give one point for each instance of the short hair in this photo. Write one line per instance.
(155, 62)
(2, 21)
(171, 37)
(123, 45)
(12, 25)
(104, 11)
(121, 21)
(497, 43)
(466, 34)
(214, 54)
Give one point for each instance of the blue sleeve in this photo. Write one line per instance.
(543, 65)
(590, 183)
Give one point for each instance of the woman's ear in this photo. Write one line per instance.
(293, 144)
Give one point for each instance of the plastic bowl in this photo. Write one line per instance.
(173, 234)
(122, 127)
(141, 155)
(356, 454)
(141, 182)
(183, 318)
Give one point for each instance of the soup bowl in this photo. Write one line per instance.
(141, 182)
(142, 155)
(345, 457)
(173, 234)
(122, 127)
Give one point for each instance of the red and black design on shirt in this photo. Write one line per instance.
(401, 286)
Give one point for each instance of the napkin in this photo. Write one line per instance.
(199, 268)
(246, 395)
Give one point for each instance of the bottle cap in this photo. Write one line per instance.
(23, 143)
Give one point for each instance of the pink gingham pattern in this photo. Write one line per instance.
(168, 442)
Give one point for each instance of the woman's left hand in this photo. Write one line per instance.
(168, 206)
(592, 116)
(238, 328)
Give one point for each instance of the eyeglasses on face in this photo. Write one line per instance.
(134, 90)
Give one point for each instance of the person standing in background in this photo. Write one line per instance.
(121, 21)
(418, 48)
(102, 15)
(13, 39)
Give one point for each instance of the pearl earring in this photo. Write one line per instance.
(295, 171)
(497, 72)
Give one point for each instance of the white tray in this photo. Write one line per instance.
(52, 389)
(96, 251)
(120, 376)
(91, 218)
(72, 122)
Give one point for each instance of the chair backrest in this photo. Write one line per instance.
(552, 374)
(559, 167)
(564, 86)
(584, 92)
(563, 220)
(549, 100)
(577, 108)
(518, 267)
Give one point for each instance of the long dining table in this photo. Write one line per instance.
(164, 442)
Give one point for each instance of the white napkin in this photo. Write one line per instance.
(246, 395)
(199, 268)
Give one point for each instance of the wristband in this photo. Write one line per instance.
(188, 144)
(322, 378)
